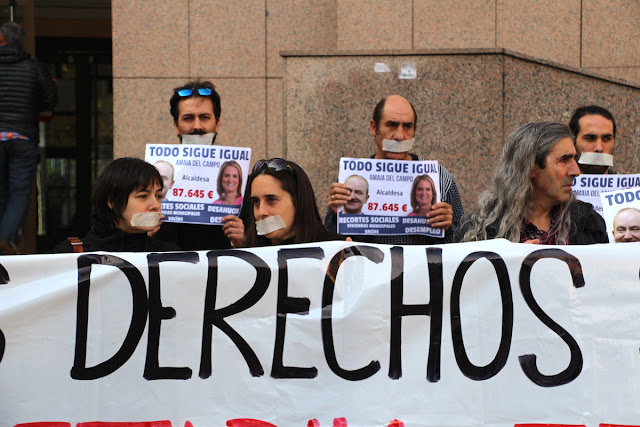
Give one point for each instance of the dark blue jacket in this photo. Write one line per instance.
(26, 88)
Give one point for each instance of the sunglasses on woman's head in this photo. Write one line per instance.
(188, 91)
(276, 164)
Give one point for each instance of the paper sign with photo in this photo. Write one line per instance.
(389, 196)
(203, 183)
(622, 214)
(588, 187)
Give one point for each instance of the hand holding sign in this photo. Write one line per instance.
(337, 196)
(441, 215)
(389, 197)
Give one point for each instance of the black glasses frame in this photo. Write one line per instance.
(278, 164)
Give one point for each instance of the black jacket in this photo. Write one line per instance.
(26, 88)
(587, 226)
(102, 237)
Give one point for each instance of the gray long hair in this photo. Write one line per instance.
(508, 200)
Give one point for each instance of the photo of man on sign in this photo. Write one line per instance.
(359, 189)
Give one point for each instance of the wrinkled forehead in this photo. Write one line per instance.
(398, 112)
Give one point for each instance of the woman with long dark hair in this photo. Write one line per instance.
(280, 206)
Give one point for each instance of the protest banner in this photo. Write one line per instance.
(204, 175)
(388, 196)
(588, 187)
(475, 334)
(622, 208)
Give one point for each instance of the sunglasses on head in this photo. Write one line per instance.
(204, 91)
(276, 164)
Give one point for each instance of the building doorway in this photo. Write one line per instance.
(78, 142)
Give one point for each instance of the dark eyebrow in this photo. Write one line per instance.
(595, 134)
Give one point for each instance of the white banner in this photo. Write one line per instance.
(476, 334)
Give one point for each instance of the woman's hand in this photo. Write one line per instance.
(233, 228)
(156, 229)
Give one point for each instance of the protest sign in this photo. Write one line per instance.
(388, 196)
(475, 334)
(621, 210)
(588, 187)
(207, 181)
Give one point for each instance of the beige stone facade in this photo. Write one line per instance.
(582, 48)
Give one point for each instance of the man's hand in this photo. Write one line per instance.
(441, 215)
(337, 196)
(233, 228)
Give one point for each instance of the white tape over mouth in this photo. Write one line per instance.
(596, 159)
(397, 146)
(145, 219)
(269, 225)
(206, 139)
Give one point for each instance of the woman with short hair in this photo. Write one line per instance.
(126, 201)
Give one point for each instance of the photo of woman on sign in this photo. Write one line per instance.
(423, 195)
(229, 184)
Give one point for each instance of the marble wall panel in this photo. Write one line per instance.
(150, 38)
(227, 38)
(274, 119)
(454, 24)
(137, 123)
(458, 98)
(630, 74)
(382, 24)
(243, 114)
(299, 25)
(610, 32)
(546, 29)
(539, 92)
(140, 120)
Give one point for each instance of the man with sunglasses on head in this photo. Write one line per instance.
(393, 126)
(195, 108)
